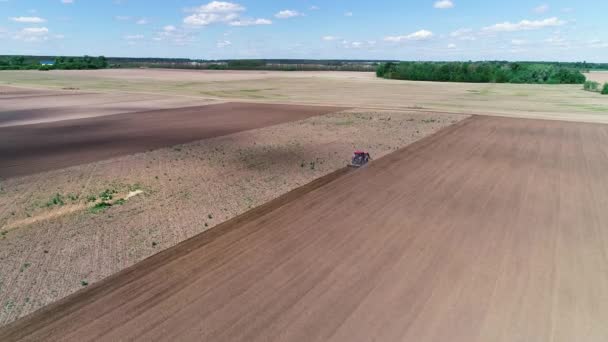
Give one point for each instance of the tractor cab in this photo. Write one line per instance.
(360, 158)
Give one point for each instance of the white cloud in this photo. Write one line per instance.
(223, 43)
(285, 14)
(557, 40)
(358, 44)
(134, 37)
(314, 8)
(444, 4)
(451, 46)
(598, 44)
(221, 12)
(518, 42)
(35, 30)
(541, 9)
(174, 35)
(214, 12)
(348, 14)
(67, 2)
(250, 22)
(220, 7)
(464, 34)
(204, 19)
(524, 25)
(329, 38)
(141, 21)
(29, 20)
(32, 34)
(417, 36)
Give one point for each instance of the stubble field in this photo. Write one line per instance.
(346, 89)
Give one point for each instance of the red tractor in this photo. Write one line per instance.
(360, 158)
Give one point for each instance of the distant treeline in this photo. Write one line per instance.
(483, 72)
(248, 64)
(582, 66)
(62, 63)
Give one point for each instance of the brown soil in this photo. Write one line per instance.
(46, 251)
(21, 106)
(493, 229)
(598, 76)
(30, 149)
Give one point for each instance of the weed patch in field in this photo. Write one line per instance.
(57, 200)
(99, 207)
(25, 267)
(108, 194)
(9, 305)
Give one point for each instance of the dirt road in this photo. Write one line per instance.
(494, 229)
(41, 147)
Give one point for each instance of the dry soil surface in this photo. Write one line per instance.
(343, 89)
(494, 229)
(52, 236)
(30, 149)
(598, 76)
(23, 106)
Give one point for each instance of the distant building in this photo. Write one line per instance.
(49, 63)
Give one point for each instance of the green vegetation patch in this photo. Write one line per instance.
(591, 86)
(99, 207)
(482, 72)
(59, 63)
(605, 89)
(57, 200)
(108, 194)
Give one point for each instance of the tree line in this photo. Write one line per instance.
(482, 72)
(595, 87)
(59, 63)
(246, 64)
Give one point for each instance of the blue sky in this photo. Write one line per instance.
(408, 30)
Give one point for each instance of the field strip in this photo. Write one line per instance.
(557, 116)
(42, 147)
